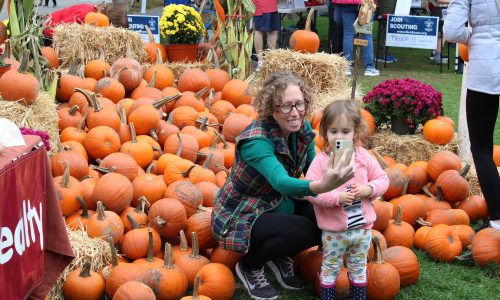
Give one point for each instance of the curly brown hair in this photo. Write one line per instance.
(348, 109)
(271, 92)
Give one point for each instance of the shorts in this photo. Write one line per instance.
(267, 22)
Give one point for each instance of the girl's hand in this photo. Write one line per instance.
(346, 198)
(362, 191)
(334, 175)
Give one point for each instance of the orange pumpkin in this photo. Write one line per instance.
(463, 52)
(97, 69)
(97, 19)
(193, 80)
(168, 217)
(442, 161)
(218, 281)
(83, 283)
(383, 280)
(496, 155)
(305, 41)
(438, 132)
(152, 49)
(19, 84)
(486, 247)
(442, 243)
(218, 78)
(236, 91)
(134, 290)
(369, 120)
(51, 56)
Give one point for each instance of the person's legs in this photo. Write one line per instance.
(356, 259)
(385, 7)
(482, 110)
(348, 14)
(331, 263)
(274, 30)
(258, 41)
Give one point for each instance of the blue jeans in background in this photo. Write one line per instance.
(347, 14)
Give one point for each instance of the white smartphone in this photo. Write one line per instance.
(339, 147)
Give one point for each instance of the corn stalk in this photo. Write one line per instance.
(26, 34)
(235, 36)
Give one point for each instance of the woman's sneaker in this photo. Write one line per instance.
(371, 71)
(283, 270)
(256, 283)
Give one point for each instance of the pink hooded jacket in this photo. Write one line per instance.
(329, 214)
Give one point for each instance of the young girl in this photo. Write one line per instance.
(345, 214)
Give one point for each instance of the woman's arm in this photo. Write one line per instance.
(457, 15)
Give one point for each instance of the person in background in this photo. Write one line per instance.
(438, 9)
(346, 11)
(384, 7)
(483, 87)
(266, 22)
(47, 3)
(345, 214)
(261, 211)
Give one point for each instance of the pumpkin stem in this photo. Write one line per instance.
(377, 258)
(159, 103)
(65, 179)
(208, 101)
(132, 221)
(465, 170)
(117, 75)
(152, 83)
(179, 150)
(73, 109)
(86, 95)
(405, 186)
(132, 132)
(467, 256)
(83, 205)
(168, 262)
(439, 195)
(114, 259)
(84, 177)
(141, 207)
(81, 123)
(380, 159)
(159, 57)
(98, 107)
(196, 283)
(101, 215)
(157, 150)
(150, 257)
(160, 221)
(426, 191)
(85, 272)
(150, 35)
(207, 161)
(122, 115)
(183, 245)
(194, 246)
(153, 134)
(201, 93)
(423, 222)
(399, 216)
(103, 169)
(308, 20)
(186, 173)
(202, 208)
(151, 165)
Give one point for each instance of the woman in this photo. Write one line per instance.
(483, 86)
(260, 211)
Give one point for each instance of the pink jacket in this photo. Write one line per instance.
(346, 1)
(330, 216)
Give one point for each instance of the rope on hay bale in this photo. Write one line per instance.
(324, 73)
(86, 249)
(41, 115)
(86, 42)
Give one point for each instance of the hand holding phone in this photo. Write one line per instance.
(341, 146)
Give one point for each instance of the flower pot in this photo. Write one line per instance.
(182, 52)
(399, 126)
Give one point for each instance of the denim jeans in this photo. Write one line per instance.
(347, 14)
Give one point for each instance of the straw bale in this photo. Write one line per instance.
(324, 73)
(86, 249)
(471, 177)
(408, 148)
(41, 115)
(75, 42)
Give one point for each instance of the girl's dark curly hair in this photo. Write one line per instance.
(270, 95)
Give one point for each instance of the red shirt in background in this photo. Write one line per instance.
(71, 14)
(265, 6)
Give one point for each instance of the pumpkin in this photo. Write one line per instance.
(50, 55)
(465, 233)
(196, 296)
(438, 132)
(148, 185)
(183, 116)
(485, 247)
(97, 69)
(234, 126)
(192, 263)
(218, 78)
(193, 80)
(101, 141)
(182, 249)
(133, 290)
(305, 41)
(310, 265)
(79, 220)
(434, 201)
(137, 213)
(227, 149)
(156, 52)
(77, 164)
(383, 280)
(442, 243)
(202, 173)
(96, 18)
(201, 223)
(19, 84)
(398, 232)
(217, 281)
(121, 163)
(247, 110)
(442, 161)
(135, 242)
(453, 184)
(420, 237)
(163, 130)
(417, 178)
(115, 191)
(67, 188)
(496, 155)
(122, 273)
(83, 283)
(221, 110)
(383, 215)
(105, 223)
(168, 217)
(405, 261)
(129, 73)
(167, 92)
(183, 145)
(164, 77)
(187, 194)
(367, 117)
(140, 151)
(463, 52)
(475, 207)
(111, 88)
(100, 115)
(167, 281)
(396, 183)
(208, 192)
(192, 99)
(413, 207)
(228, 258)
(237, 92)
(382, 241)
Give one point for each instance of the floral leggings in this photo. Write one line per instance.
(355, 243)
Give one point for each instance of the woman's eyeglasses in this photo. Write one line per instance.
(286, 108)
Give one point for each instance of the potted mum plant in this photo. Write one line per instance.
(404, 104)
(182, 28)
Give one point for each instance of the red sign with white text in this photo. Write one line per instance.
(22, 225)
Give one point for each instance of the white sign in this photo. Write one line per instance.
(403, 7)
(138, 23)
(412, 31)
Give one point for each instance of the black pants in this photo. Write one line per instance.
(280, 235)
(53, 1)
(482, 110)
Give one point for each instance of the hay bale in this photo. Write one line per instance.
(86, 249)
(41, 115)
(324, 73)
(408, 148)
(75, 42)
(471, 177)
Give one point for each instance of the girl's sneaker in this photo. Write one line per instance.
(371, 71)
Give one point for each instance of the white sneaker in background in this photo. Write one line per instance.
(371, 71)
(348, 71)
(259, 65)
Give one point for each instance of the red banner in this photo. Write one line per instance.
(22, 224)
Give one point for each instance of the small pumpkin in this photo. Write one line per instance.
(405, 261)
(192, 263)
(19, 84)
(442, 243)
(463, 51)
(383, 280)
(485, 247)
(96, 18)
(217, 281)
(83, 283)
(168, 217)
(133, 290)
(305, 41)
(438, 132)
(50, 55)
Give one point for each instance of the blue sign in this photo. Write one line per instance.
(138, 23)
(412, 31)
